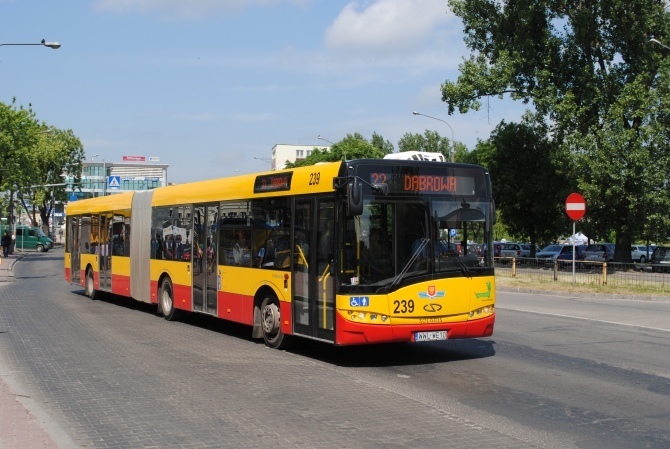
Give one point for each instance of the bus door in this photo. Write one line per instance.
(204, 259)
(72, 240)
(313, 297)
(105, 261)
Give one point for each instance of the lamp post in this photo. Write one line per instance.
(321, 138)
(453, 142)
(104, 174)
(344, 153)
(655, 41)
(44, 43)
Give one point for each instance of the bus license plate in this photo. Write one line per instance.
(430, 336)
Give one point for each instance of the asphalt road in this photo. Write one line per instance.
(559, 372)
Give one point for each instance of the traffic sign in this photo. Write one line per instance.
(114, 182)
(575, 206)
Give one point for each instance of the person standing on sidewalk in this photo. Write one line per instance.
(6, 243)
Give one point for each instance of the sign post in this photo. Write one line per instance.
(575, 207)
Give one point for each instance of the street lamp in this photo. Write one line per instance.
(344, 153)
(321, 138)
(44, 43)
(659, 43)
(104, 174)
(453, 142)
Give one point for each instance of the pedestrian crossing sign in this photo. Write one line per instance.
(114, 182)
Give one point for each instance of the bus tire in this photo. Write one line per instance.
(271, 323)
(170, 313)
(89, 284)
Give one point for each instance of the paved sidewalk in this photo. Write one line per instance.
(18, 427)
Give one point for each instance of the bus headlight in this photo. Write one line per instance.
(481, 312)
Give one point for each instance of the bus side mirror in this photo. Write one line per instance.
(354, 198)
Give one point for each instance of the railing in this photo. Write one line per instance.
(638, 275)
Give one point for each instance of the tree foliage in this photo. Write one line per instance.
(529, 185)
(353, 146)
(595, 81)
(34, 157)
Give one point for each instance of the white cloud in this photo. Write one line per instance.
(387, 26)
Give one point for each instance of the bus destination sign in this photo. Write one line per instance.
(420, 183)
(273, 183)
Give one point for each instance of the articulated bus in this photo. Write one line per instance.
(349, 253)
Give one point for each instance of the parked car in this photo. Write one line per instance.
(475, 248)
(660, 259)
(565, 258)
(551, 252)
(525, 250)
(29, 237)
(599, 252)
(510, 250)
(640, 253)
(497, 247)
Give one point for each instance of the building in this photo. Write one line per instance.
(281, 153)
(107, 178)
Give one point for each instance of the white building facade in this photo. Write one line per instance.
(281, 153)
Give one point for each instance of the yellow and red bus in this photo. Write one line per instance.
(350, 253)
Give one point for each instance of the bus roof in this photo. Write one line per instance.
(117, 201)
(301, 180)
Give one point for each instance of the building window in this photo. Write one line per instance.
(298, 154)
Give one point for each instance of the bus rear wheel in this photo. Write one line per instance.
(271, 323)
(170, 313)
(89, 284)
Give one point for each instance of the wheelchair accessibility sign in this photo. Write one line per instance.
(114, 182)
(359, 301)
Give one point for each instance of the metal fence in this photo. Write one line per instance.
(612, 274)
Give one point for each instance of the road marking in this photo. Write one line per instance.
(585, 319)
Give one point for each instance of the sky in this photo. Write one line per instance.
(210, 86)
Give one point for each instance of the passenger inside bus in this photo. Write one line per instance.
(241, 249)
(377, 257)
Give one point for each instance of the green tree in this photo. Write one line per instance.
(529, 184)
(590, 73)
(34, 157)
(353, 146)
(430, 141)
(378, 142)
(18, 135)
(59, 153)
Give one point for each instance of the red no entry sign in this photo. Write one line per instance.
(575, 206)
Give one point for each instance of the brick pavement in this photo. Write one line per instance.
(19, 428)
(111, 374)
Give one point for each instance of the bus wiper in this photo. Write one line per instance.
(410, 262)
(460, 263)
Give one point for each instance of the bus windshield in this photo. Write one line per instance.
(394, 239)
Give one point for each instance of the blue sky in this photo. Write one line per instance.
(207, 85)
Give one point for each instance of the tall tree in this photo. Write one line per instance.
(586, 67)
(18, 135)
(353, 146)
(59, 153)
(378, 142)
(529, 184)
(430, 141)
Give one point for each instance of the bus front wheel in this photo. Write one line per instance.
(170, 313)
(271, 323)
(90, 284)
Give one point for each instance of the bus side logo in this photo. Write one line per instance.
(432, 307)
(432, 293)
